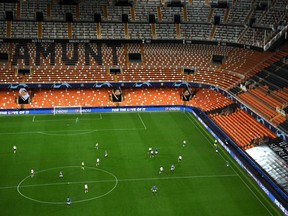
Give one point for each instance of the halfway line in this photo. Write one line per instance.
(124, 180)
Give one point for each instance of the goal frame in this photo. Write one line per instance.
(68, 108)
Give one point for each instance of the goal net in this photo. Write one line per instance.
(67, 110)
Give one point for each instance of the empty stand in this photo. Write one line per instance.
(160, 62)
(197, 16)
(242, 128)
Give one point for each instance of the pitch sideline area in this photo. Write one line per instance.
(201, 178)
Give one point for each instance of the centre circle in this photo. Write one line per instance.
(69, 182)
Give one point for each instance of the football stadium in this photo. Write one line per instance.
(144, 107)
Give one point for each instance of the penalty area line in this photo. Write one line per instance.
(79, 131)
(142, 121)
(63, 120)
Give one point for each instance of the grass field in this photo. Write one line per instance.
(200, 185)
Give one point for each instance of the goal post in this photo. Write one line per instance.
(67, 110)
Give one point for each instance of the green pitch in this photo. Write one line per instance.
(201, 184)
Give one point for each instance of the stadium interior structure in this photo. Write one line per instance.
(227, 58)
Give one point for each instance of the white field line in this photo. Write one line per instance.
(79, 131)
(209, 141)
(62, 120)
(142, 121)
(70, 119)
(121, 180)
